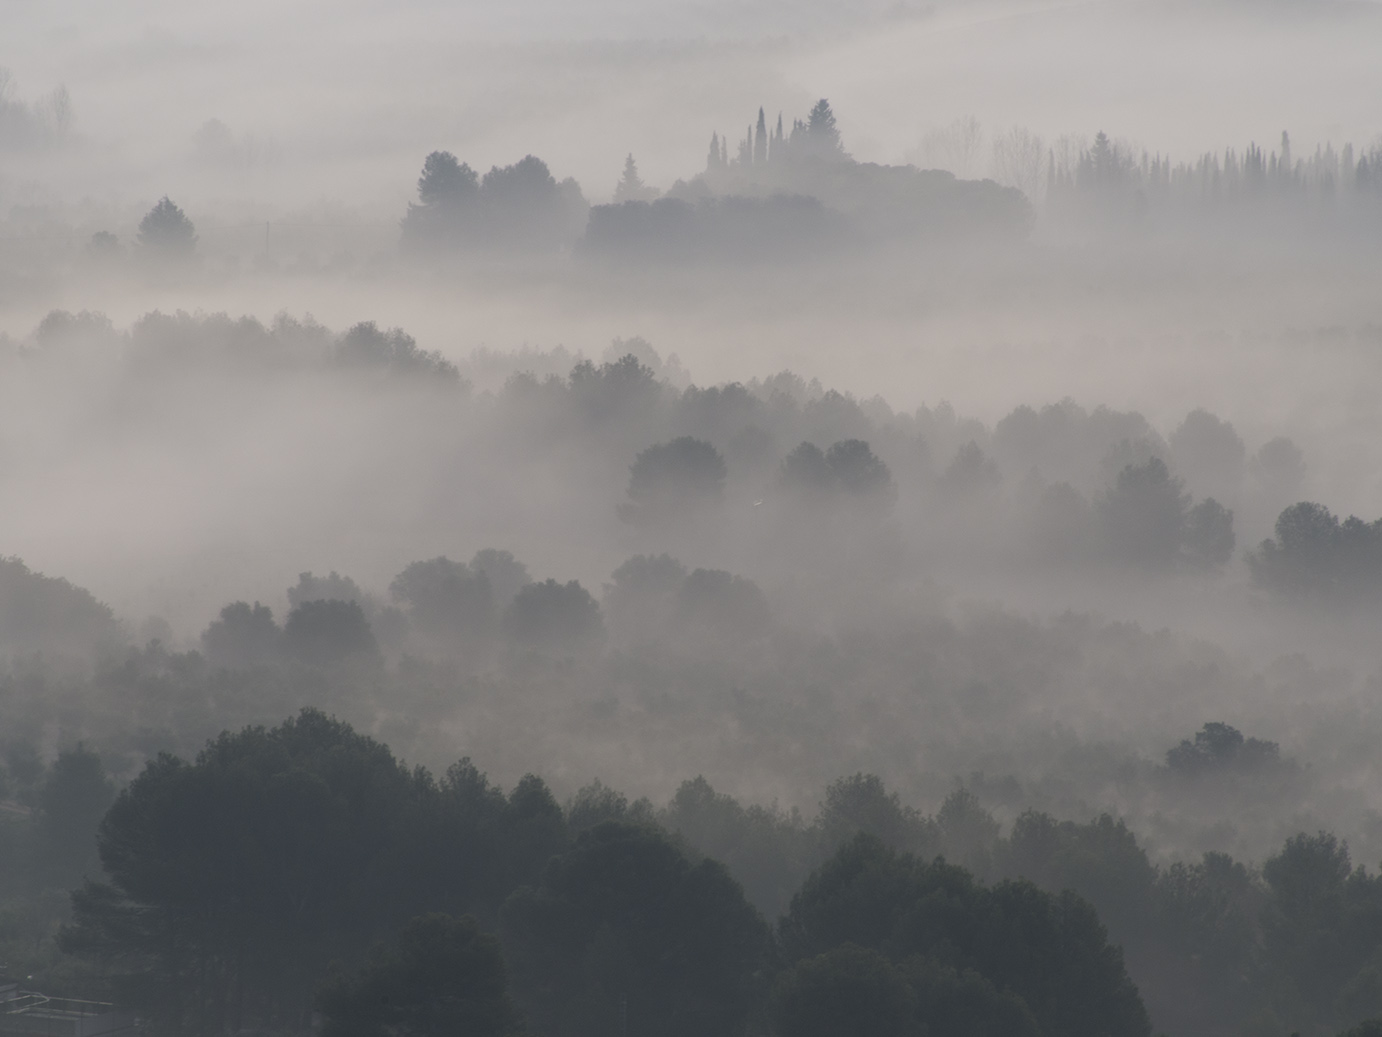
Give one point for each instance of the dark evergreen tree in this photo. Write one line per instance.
(166, 231)
(446, 181)
(626, 934)
(822, 133)
(1049, 951)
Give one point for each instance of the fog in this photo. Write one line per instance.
(746, 425)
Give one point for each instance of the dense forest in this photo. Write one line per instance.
(304, 866)
(781, 776)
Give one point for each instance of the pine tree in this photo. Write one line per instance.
(760, 142)
(713, 160)
(822, 131)
(631, 187)
(165, 230)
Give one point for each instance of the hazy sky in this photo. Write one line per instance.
(349, 96)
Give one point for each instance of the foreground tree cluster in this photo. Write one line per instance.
(305, 869)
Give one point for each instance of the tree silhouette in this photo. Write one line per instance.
(242, 636)
(631, 187)
(321, 633)
(554, 616)
(671, 479)
(445, 181)
(1050, 951)
(1144, 514)
(822, 132)
(627, 934)
(166, 231)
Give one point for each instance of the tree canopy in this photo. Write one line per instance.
(166, 231)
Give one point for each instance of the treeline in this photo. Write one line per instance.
(246, 887)
(1317, 559)
(1059, 486)
(1074, 176)
(517, 208)
(792, 195)
(1326, 180)
(784, 197)
(161, 343)
(30, 124)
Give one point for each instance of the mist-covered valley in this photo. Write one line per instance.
(533, 521)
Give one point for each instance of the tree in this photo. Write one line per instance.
(805, 470)
(523, 207)
(364, 346)
(849, 469)
(505, 573)
(822, 133)
(641, 597)
(48, 613)
(1144, 515)
(1101, 861)
(332, 587)
(446, 211)
(243, 636)
(447, 602)
(1206, 933)
(858, 471)
(556, 617)
(1307, 920)
(232, 881)
(1050, 951)
(673, 479)
(322, 633)
(967, 830)
(1208, 452)
(439, 976)
(631, 187)
(627, 934)
(1104, 167)
(715, 158)
(445, 181)
(1019, 160)
(1208, 537)
(971, 471)
(862, 803)
(1219, 747)
(617, 391)
(1314, 555)
(766, 849)
(166, 231)
(74, 797)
